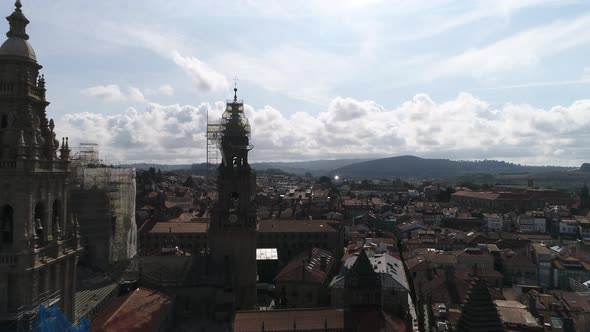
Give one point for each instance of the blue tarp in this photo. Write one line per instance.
(52, 320)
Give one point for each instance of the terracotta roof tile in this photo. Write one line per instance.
(301, 226)
(178, 227)
(141, 311)
(303, 269)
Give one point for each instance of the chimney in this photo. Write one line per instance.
(323, 263)
(449, 273)
(533, 306)
(474, 270)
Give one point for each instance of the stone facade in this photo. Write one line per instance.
(39, 247)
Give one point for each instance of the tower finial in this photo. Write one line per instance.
(235, 89)
(18, 23)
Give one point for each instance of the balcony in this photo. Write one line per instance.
(11, 89)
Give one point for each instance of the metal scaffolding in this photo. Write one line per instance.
(86, 154)
(119, 185)
(213, 152)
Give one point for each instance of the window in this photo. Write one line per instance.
(7, 225)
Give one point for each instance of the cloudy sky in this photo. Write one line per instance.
(327, 79)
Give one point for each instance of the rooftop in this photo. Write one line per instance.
(141, 311)
(316, 319)
(299, 226)
(307, 267)
(514, 313)
(265, 254)
(178, 227)
(390, 269)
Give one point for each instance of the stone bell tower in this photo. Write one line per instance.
(38, 238)
(232, 232)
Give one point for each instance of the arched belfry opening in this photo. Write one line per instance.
(39, 222)
(7, 226)
(56, 218)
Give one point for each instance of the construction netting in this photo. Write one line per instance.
(52, 320)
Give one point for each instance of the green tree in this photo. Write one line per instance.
(189, 182)
(325, 180)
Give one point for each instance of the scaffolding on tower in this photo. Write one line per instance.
(214, 130)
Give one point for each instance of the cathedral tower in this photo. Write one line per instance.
(232, 233)
(38, 238)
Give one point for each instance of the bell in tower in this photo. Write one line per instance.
(232, 232)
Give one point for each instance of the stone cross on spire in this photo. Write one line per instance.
(18, 23)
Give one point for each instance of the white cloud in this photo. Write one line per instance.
(525, 49)
(462, 128)
(203, 76)
(584, 80)
(136, 95)
(162, 90)
(113, 93)
(294, 9)
(306, 74)
(154, 133)
(166, 90)
(167, 44)
(110, 92)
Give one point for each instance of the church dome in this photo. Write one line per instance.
(17, 47)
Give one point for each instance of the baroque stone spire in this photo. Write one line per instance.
(18, 23)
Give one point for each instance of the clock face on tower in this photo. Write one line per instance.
(233, 218)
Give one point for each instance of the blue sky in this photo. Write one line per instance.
(323, 79)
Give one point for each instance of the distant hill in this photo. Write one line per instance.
(315, 167)
(415, 167)
(162, 167)
(394, 167)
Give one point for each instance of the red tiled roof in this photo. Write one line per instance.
(300, 226)
(477, 195)
(141, 311)
(283, 320)
(317, 319)
(184, 217)
(179, 227)
(302, 269)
